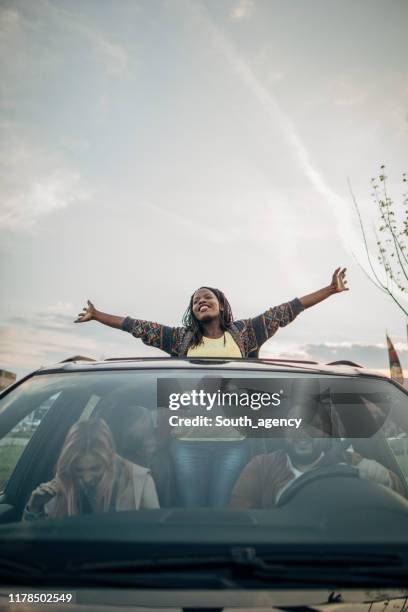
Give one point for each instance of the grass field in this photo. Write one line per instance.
(9, 456)
(403, 463)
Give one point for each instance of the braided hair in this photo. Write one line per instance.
(191, 322)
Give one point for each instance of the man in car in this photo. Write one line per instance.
(136, 440)
(266, 477)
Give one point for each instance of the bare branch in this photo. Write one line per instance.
(380, 287)
(364, 237)
(391, 250)
(388, 223)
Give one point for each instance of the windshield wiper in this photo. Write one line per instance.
(9, 567)
(241, 567)
(246, 557)
(244, 567)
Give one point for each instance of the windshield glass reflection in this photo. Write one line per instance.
(123, 446)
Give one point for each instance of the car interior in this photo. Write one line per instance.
(355, 417)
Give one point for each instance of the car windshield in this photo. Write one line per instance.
(300, 455)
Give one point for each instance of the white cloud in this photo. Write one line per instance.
(51, 336)
(9, 19)
(114, 55)
(34, 182)
(243, 10)
(372, 356)
(65, 308)
(341, 209)
(43, 196)
(189, 223)
(31, 347)
(22, 61)
(344, 91)
(59, 28)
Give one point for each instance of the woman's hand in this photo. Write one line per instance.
(41, 495)
(88, 314)
(337, 285)
(339, 282)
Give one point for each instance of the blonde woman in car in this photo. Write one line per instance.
(90, 477)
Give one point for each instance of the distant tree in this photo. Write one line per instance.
(391, 236)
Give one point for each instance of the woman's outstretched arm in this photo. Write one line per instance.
(168, 339)
(337, 285)
(265, 325)
(90, 313)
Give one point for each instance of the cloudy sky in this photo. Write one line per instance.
(149, 147)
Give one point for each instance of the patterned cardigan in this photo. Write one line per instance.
(249, 334)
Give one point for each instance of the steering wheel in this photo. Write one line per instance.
(331, 471)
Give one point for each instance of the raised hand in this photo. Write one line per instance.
(87, 314)
(339, 282)
(90, 313)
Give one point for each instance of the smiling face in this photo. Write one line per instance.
(205, 305)
(304, 445)
(304, 451)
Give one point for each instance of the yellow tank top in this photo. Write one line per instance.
(214, 347)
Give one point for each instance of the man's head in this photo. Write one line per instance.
(304, 451)
(132, 428)
(138, 431)
(309, 442)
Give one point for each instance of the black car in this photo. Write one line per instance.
(224, 531)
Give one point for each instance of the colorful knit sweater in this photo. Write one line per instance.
(249, 334)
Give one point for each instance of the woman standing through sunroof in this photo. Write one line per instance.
(207, 468)
(209, 329)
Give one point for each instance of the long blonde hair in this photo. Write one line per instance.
(84, 437)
